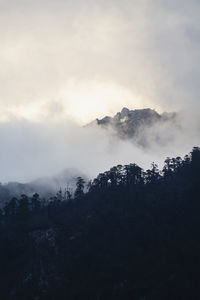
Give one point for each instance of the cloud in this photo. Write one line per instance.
(149, 48)
(31, 150)
(78, 60)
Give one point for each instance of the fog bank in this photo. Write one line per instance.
(32, 150)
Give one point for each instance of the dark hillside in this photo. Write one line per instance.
(133, 235)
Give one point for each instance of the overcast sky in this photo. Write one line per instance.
(83, 59)
(65, 62)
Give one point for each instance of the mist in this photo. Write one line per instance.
(136, 54)
(64, 64)
(31, 150)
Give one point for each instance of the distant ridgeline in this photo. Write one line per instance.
(127, 123)
(45, 186)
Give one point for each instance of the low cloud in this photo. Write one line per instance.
(63, 61)
(32, 150)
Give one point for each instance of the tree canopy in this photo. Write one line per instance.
(128, 234)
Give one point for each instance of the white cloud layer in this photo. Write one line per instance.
(149, 49)
(31, 150)
(78, 60)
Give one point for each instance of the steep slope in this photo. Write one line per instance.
(134, 235)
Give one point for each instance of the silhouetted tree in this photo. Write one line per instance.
(136, 235)
(133, 174)
(153, 174)
(35, 202)
(10, 209)
(23, 207)
(79, 192)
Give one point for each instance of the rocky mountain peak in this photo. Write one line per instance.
(128, 123)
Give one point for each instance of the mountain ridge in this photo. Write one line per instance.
(128, 123)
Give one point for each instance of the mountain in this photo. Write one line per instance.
(133, 235)
(129, 123)
(46, 186)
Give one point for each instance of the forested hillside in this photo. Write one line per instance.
(128, 234)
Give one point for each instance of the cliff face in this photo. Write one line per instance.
(128, 123)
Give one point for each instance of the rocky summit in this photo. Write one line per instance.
(127, 123)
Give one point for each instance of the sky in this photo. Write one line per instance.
(83, 59)
(64, 62)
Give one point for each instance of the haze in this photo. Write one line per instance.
(65, 63)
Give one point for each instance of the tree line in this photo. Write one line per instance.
(127, 234)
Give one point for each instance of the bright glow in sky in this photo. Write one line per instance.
(90, 99)
(78, 60)
(82, 102)
(85, 59)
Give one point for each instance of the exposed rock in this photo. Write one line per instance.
(128, 123)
